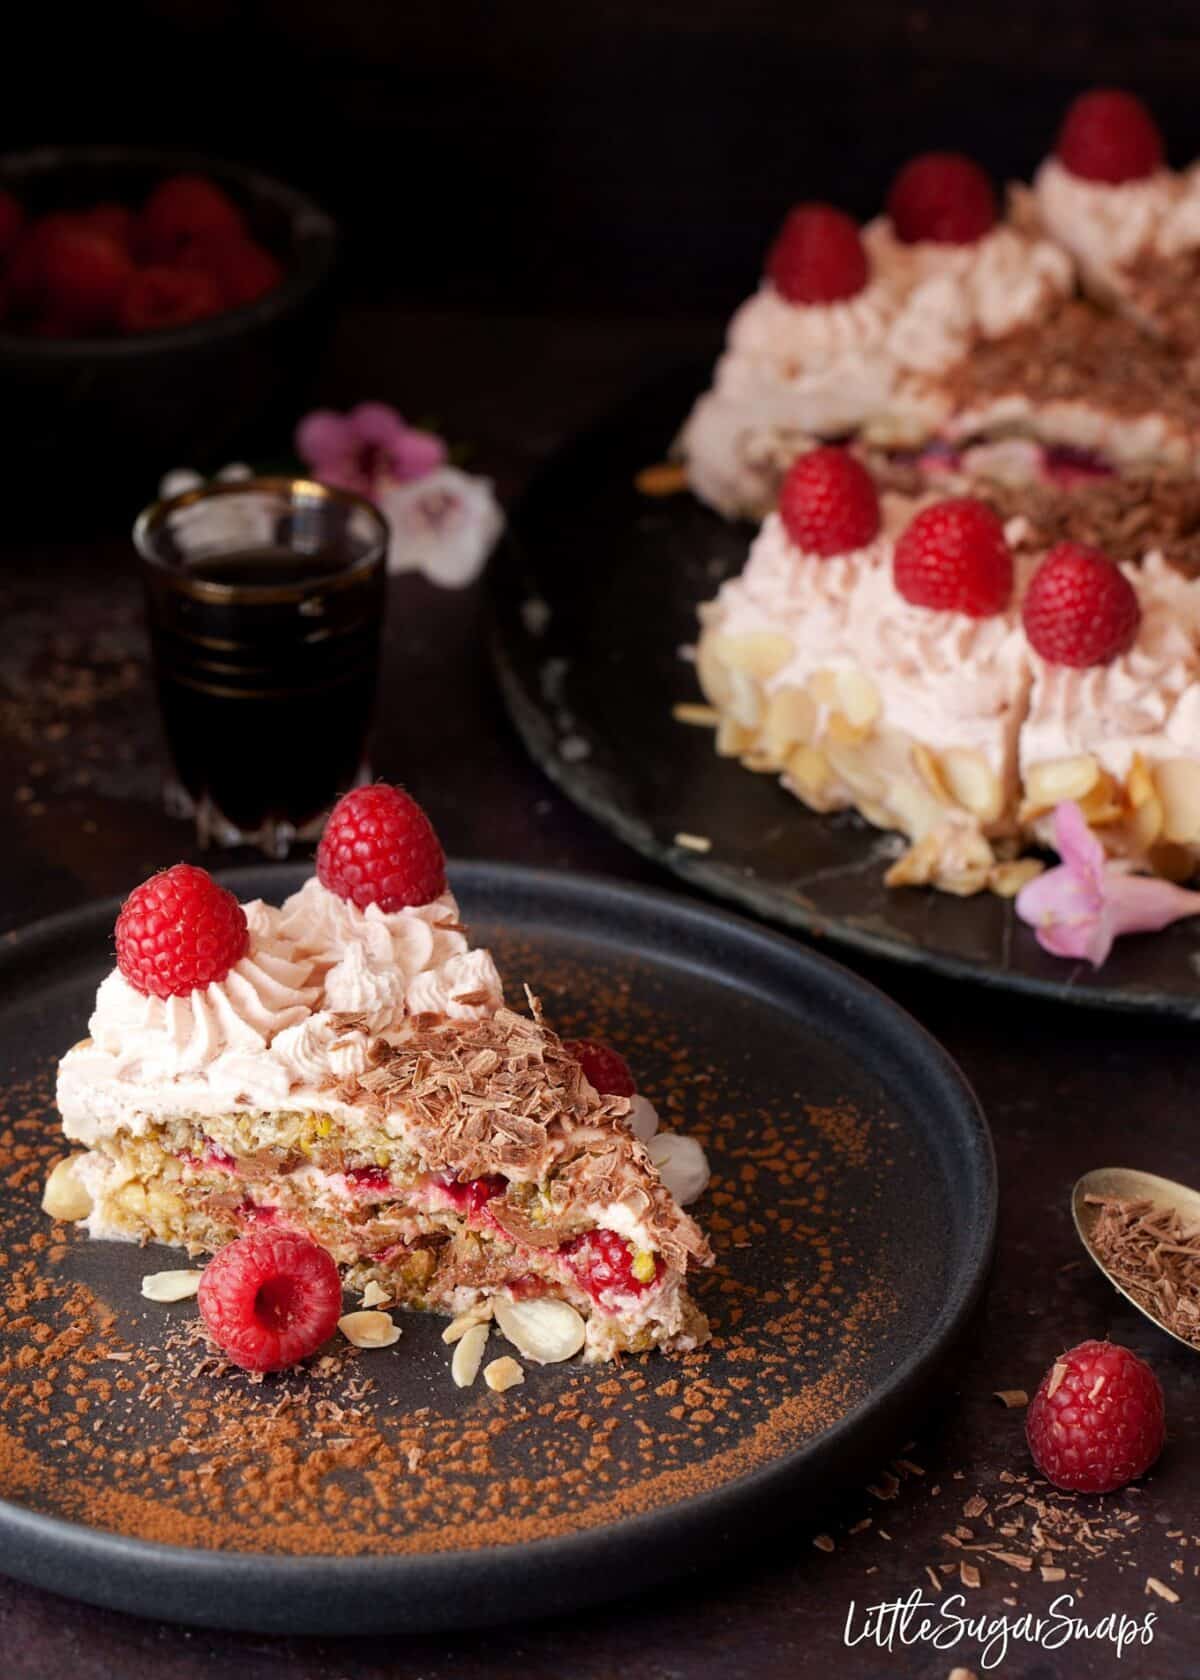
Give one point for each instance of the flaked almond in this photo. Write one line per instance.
(858, 698)
(171, 1286)
(374, 1296)
(703, 717)
(972, 783)
(503, 1373)
(1178, 784)
(1007, 879)
(665, 478)
(468, 1355)
(458, 1327)
(1145, 807)
(915, 807)
(852, 763)
(64, 1196)
(757, 653)
(810, 771)
(790, 720)
(712, 675)
(823, 686)
(1103, 805)
(745, 699)
(732, 739)
(369, 1329)
(1058, 1376)
(544, 1330)
(1049, 783)
(839, 728)
(929, 768)
(693, 842)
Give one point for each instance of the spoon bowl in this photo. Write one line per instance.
(1129, 1185)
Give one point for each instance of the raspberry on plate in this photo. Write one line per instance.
(818, 257)
(178, 931)
(1096, 1422)
(1080, 609)
(183, 208)
(953, 557)
(828, 503)
(606, 1069)
(379, 847)
(270, 1299)
(1108, 135)
(941, 196)
(157, 298)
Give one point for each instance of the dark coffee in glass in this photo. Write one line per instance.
(265, 600)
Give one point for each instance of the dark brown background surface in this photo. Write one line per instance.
(1064, 1091)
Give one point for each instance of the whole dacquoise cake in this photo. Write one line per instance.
(343, 1071)
(986, 603)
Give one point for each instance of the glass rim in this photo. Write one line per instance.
(152, 519)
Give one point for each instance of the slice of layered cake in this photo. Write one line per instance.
(956, 670)
(344, 1068)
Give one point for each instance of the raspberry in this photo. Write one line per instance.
(84, 273)
(1110, 136)
(953, 558)
(818, 256)
(606, 1069)
(183, 208)
(270, 1298)
(1096, 1422)
(379, 848)
(473, 1196)
(241, 268)
(158, 298)
(941, 196)
(602, 1262)
(828, 503)
(178, 931)
(114, 221)
(1079, 608)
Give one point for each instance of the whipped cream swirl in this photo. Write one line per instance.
(384, 965)
(1108, 226)
(269, 990)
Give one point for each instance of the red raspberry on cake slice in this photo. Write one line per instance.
(333, 1093)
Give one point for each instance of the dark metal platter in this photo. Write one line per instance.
(867, 1238)
(594, 596)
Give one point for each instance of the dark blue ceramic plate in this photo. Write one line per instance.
(852, 1210)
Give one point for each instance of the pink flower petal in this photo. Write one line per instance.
(323, 436)
(1089, 941)
(1144, 904)
(417, 454)
(1058, 896)
(378, 424)
(1075, 843)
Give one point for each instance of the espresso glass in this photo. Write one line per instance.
(265, 599)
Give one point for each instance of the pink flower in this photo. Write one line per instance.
(1079, 908)
(367, 450)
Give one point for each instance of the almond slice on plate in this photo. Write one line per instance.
(171, 1286)
(546, 1331)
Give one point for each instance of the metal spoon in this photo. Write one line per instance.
(1129, 1185)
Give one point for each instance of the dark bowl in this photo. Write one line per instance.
(102, 418)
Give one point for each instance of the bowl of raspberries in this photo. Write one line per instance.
(156, 309)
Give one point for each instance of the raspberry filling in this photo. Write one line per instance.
(472, 1197)
(369, 1181)
(604, 1263)
(1067, 467)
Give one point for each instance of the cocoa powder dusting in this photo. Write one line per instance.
(117, 1413)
